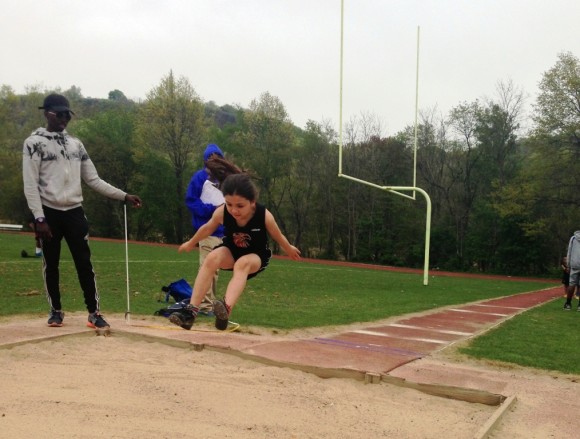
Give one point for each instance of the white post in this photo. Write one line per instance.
(128, 312)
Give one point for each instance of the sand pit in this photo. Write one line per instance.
(86, 386)
(124, 386)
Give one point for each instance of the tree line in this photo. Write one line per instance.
(505, 199)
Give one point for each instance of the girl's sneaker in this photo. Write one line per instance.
(183, 317)
(222, 314)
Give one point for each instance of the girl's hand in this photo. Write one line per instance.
(293, 253)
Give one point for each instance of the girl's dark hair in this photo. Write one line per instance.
(220, 168)
(233, 180)
(240, 184)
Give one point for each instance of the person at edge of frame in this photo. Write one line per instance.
(573, 264)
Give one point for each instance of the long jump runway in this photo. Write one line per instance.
(380, 349)
(376, 349)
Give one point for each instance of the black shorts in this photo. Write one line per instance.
(237, 254)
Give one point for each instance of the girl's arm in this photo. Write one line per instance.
(276, 234)
(204, 231)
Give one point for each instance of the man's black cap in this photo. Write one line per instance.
(56, 102)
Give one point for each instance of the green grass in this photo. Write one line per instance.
(545, 337)
(291, 295)
(287, 295)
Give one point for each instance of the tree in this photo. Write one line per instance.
(463, 184)
(543, 198)
(312, 203)
(220, 116)
(155, 178)
(19, 116)
(171, 121)
(266, 140)
(117, 95)
(108, 137)
(74, 93)
(555, 146)
(557, 109)
(496, 133)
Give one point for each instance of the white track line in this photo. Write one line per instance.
(468, 311)
(442, 331)
(382, 334)
(496, 306)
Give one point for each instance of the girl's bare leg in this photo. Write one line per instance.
(216, 259)
(245, 265)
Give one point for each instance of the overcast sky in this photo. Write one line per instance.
(232, 51)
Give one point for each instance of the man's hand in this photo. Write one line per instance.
(186, 247)
(134, 200)
(42, 231)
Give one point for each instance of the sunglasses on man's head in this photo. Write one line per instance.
(61, 114)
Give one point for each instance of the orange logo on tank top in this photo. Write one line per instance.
(242, 240)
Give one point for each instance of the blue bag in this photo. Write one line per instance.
(180, 290)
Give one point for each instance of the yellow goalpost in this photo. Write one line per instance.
(398, 190)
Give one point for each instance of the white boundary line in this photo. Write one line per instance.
(442, 331)
(468, 311)
(382, 334)
(483, 305)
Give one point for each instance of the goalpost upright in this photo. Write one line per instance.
(398, 190)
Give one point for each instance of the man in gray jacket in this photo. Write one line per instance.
(53, 165)
(574, 265)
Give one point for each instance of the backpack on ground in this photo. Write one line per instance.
(181, 292)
